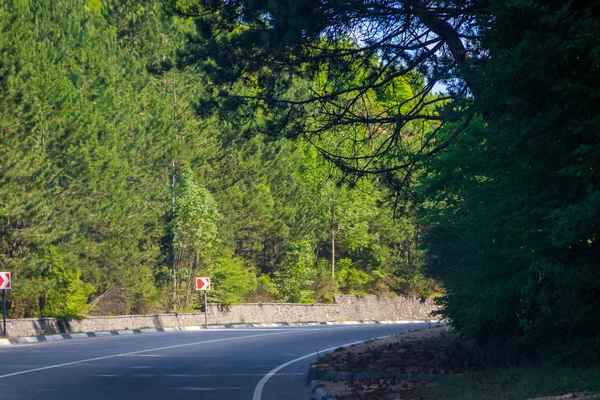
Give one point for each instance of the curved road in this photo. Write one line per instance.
(208, 364)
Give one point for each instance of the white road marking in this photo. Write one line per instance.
(103, 334)
(258, 389)
(136, 352)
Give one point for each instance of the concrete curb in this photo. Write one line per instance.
(318, 391)
(53, 338)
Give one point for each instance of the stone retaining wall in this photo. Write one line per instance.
(345, 308)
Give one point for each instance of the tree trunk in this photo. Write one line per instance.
(174, 289)
(332, 254)
(332, 231)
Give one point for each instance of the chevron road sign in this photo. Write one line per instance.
(5, 281)
(202, 283)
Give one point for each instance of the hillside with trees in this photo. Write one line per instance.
(296, 149)
(116, 189)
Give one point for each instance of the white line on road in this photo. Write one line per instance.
(137, 352)
(258, 389)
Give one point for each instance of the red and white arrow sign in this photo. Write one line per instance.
(202, 283)
(5, 281)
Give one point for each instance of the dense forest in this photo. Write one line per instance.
(296, 149)
(116, 190)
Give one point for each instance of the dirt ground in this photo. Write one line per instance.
(405, 363)
(401, 365)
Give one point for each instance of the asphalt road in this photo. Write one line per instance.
(208, 364)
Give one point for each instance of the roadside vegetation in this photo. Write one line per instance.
(297, 149)
(96, 125)
(500, 169)
(551, 381)
(437, 363)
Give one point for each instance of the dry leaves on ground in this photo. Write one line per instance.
(407, 362)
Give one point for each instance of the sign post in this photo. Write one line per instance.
(204, 284)
(205, 309)
(5, 284)
(4, 311)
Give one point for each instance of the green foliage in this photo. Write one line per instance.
(527, 382)
(514, 234)
(505, 168)
(232, 280)
(195, 219)
(93, 114)
(53, 287)
(194, 236)
(351, 280)
(83, 169)
(265, 292)
(296, 276)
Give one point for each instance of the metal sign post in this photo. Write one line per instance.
(203, 283)
(4, 311)
(5, 284)
(205, 309)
